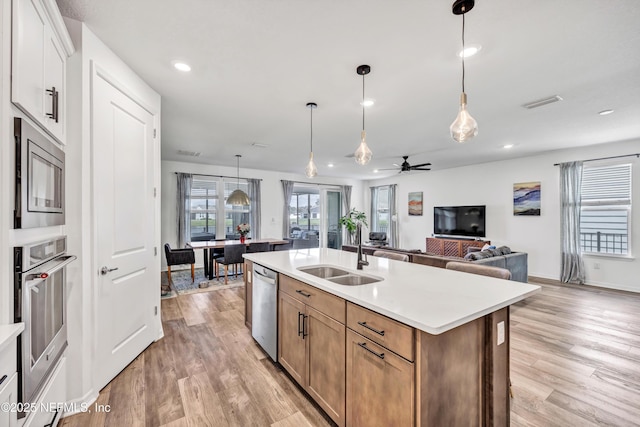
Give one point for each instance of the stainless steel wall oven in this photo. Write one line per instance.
(40, 302)
(39, 195)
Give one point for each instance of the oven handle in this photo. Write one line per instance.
(44, 274)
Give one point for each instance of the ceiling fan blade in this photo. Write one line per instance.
(421, 165)
(420, 169)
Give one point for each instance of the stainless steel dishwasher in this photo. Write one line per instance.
(264, 306)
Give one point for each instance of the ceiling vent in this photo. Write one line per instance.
(259, 145)
(541, 102)
(189, 153)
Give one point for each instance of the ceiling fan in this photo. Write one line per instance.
(406, 167)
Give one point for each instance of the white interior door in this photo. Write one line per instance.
(127, 297)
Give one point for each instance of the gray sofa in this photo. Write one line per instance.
(515, 262)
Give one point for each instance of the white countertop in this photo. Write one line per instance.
(9, 332)
(431, 299)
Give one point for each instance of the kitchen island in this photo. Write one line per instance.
(419, 346)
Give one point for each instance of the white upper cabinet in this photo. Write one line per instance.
(41, 45)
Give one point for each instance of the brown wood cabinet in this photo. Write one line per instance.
(380, 385)
(248, 292)
(452, 247)
(311, 343)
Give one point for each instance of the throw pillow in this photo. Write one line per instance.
(504, 250)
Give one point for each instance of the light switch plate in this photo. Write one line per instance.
(500, 333)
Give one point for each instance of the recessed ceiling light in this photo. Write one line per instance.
(507, 146)
(367, 103)
(330, 165)
(470, 50)
(181, 66)
(375, 171)
(605, 112)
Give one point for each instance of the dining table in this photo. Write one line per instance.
(208, 248)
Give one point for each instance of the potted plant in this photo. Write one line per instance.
(351, 220)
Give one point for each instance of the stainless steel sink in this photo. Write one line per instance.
(323, 271)
(354, 280)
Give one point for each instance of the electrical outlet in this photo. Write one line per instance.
(596, 266)
(500, 333)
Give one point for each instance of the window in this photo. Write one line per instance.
(204, 199)
(213, 220)
(606, 210)
(235, 214)
(380, 203)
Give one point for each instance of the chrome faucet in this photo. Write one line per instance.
(361, 261)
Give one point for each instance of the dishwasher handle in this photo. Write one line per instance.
(264, 278)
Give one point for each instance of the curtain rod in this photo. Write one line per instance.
(606, 158)
(311, 183)
(218, 176)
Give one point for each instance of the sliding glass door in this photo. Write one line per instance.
(314, 212)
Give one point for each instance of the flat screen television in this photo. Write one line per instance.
(465, 221)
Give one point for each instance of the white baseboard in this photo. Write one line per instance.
(82, 402)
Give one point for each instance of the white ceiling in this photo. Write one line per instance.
(256, 63)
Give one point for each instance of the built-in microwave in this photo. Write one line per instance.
(39, 200)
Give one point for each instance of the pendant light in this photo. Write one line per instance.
(311, 170)
(238, 197)
(363, 153)
(464, 127)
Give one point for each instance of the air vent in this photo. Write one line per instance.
(541, 102)
(189, 153)
(259, 145)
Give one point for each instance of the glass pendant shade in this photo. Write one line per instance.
(464, 127)
(363, 154)
(311, 170)
(238, 197)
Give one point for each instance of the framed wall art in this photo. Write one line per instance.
(526, 199)
(415, 203)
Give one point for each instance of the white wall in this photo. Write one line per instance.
(271, 188)
(491, 184)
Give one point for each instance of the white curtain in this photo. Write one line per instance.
(287, 189)
(573, 270)
(345, 191)
(393, 237)
(183, 212)
(256, 211)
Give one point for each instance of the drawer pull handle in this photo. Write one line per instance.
(364, 345)
(304, 294)
(364, 325)
(53, 420)
(4, 377)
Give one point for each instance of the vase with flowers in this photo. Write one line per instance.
(243, 229)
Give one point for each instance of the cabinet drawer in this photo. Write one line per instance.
(322, 301)
(389, 333)
(54, 393)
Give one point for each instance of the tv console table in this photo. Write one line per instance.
(452, 247)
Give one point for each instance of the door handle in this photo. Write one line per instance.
(106, 270)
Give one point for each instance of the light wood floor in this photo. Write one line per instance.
(575, 361)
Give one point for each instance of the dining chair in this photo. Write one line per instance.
(179, 257)
(232, 256)
(258, 247)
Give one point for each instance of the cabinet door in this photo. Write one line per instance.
(248, 293)
(326, 363)
(380, 385)
(8, 392)
(291, 339)
(30, 28)
(54, 85)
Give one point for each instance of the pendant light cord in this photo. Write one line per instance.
(463, 13)
(363, 102)
(311, 133)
